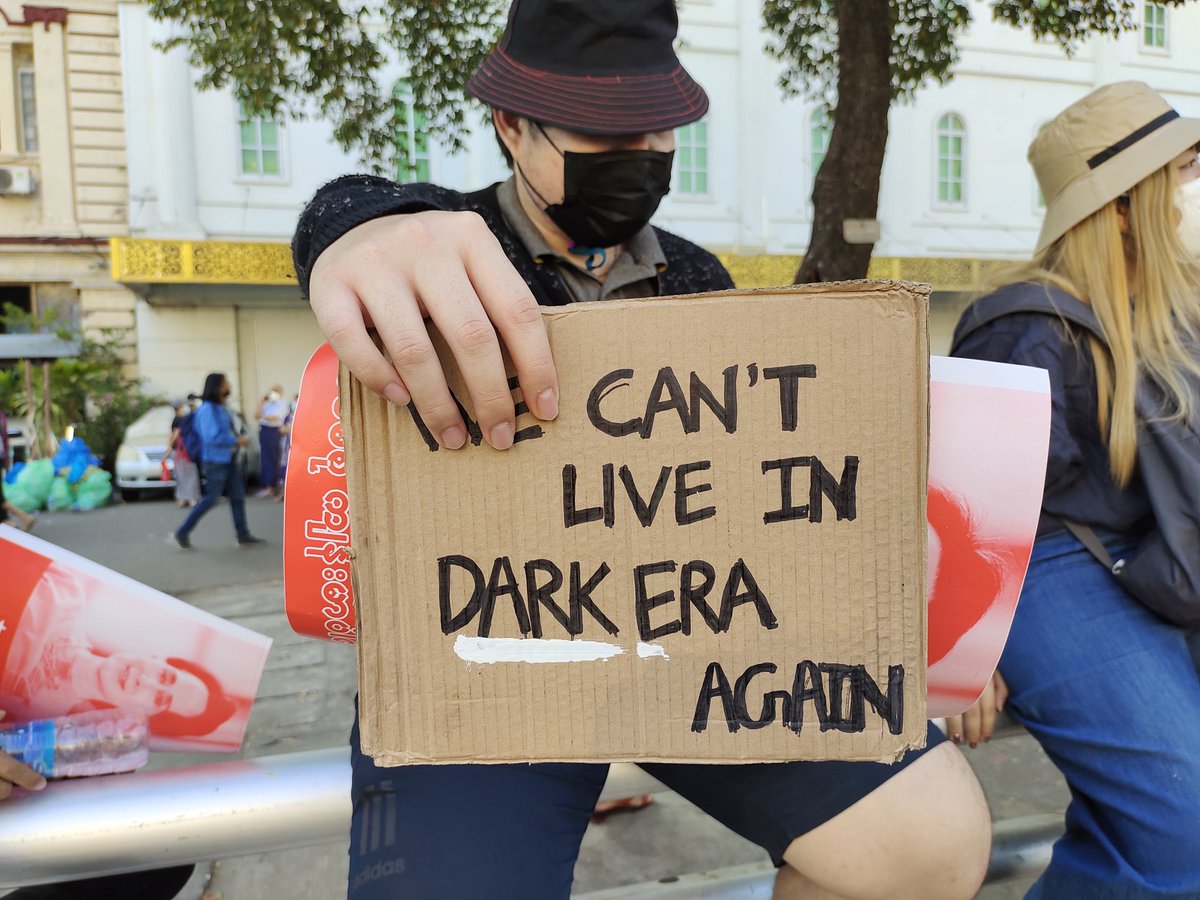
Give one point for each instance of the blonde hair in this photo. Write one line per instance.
(1144, 288)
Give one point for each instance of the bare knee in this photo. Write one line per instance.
(925, 833)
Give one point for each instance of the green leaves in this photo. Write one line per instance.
(92, 391)
(326, 59)
(804, 37)
(924, 34)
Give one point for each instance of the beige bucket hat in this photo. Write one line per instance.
(1098, 148)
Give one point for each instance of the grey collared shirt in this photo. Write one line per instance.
(633, 274)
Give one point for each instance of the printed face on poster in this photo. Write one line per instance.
(75, 636)
(989, 436)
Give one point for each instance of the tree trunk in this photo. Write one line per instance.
(847, 185)
(47, 421)
(31, 405)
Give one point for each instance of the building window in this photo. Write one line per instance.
(411, 137)
(819, 128)
(27, 98)
(260, 140)
(1154, 26)
(951, 156)
(691, 154)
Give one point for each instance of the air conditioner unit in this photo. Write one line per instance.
(16, 180)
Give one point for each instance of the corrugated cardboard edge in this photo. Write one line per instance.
(919, 290)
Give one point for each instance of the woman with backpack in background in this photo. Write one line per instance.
(1105, 684)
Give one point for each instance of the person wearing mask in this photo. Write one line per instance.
(271, 413)
(218, 458)
(1107, 687)
(585, 98)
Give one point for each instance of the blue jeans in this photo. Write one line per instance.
(220, 478)
(269, 443)
(1113, 696)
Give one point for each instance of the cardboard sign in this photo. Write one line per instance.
(989, 432)
(76, 636)
(715, 553)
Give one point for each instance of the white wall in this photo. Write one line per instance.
(760, 174)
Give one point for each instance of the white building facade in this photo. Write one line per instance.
(956, 193)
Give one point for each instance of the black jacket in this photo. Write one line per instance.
(1079, 487)
(350, 201)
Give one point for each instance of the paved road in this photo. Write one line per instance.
(305, 696)
(133, 539)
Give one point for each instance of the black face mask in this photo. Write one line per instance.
(608, 197)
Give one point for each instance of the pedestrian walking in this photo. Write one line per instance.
(585, 98)
(218, 457)
(1106, 684)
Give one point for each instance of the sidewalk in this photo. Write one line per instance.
(305, 702)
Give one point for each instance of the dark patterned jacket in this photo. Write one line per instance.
(354, 199)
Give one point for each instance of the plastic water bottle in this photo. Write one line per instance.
(99, 742)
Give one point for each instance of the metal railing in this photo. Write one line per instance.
(149, 820)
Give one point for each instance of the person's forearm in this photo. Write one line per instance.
(348, 202)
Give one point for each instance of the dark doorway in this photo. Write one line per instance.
(20, 296)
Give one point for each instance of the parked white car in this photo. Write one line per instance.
(140, 457)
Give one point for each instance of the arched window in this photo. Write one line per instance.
(691, 156)
(411, 136)
(951, 160)
(819, 128)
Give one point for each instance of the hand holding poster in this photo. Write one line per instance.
(989, 428)
(76, 636)
(716, 552)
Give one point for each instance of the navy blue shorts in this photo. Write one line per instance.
(512, 832)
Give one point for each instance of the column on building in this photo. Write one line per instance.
(172, 137)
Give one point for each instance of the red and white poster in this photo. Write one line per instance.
(989, 434)
(76, 636)
(316, 534)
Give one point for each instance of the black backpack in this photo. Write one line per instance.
(1164, 571)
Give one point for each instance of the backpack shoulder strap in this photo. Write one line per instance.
(1026, 297)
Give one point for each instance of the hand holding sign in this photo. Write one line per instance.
(396, 272)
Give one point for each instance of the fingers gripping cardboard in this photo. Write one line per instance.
(715, 553)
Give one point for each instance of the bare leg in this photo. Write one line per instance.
(20, 515)
(924, 834)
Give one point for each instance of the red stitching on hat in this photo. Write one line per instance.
(641, 102)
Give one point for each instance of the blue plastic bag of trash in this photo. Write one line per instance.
(75, 457)
(11, 477)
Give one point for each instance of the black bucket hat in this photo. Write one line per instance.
(593, 67)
